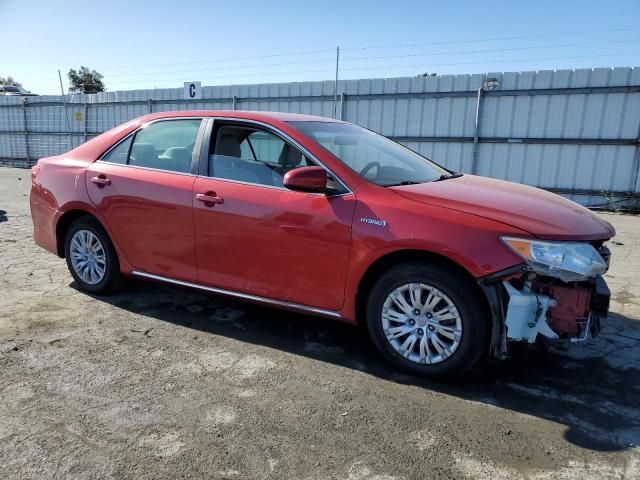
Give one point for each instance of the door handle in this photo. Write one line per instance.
(210, 198)
(101, 181)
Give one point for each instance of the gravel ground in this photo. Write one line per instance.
(158, 382)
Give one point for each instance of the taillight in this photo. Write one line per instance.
(34, 171)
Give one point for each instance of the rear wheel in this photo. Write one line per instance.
(427, 319)
(91, 257)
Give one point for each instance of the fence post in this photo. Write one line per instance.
(476, 134)
(150, 105)
(335, 85)
(84, 128)
(343, 98)
(234, 100)
(26, 130)
(636, 165)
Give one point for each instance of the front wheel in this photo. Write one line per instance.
(427, 319)
(91, 257)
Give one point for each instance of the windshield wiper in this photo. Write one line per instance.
(413, 182)
(404, 182)
(447, 177)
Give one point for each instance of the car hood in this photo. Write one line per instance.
(541, 213)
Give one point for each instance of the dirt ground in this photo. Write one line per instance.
(158, 382)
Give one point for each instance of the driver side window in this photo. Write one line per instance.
(252, 155)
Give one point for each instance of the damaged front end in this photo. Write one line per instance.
(557, 293)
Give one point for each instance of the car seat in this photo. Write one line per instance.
(143, 155)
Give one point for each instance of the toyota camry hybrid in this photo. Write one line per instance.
(327, 218)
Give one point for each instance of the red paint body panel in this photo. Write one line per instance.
(60, 188)
(471, 241)
(274, 243)
(298, 247)
(541, 213)
(150, 214)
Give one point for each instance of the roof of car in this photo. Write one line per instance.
(249, 115)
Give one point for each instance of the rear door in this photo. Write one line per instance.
(260, 238)
(143, 188)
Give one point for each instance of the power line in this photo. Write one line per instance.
(466, 52)
(516, 37)
(384, 57)
(224, 60)
(406, 45)
(414, 66)
(380, 57)
(370, 47)
(499, 61)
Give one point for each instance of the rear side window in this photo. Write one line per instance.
(120, 153)
(166, 145)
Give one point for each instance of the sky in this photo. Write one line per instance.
(157, 44)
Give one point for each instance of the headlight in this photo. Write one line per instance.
(568, 261)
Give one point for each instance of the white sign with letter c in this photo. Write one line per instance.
(192, 90)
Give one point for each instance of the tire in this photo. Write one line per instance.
(461, 333)
(101, 277)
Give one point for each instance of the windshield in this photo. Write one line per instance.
(373, 156)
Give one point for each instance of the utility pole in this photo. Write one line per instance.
(64, 103)
(335, 86)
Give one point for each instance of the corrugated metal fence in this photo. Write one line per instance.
(571, 131)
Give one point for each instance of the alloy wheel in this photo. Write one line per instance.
(88, 257)
(421, 323)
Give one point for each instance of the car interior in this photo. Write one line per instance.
(235, 157)
(176, 159)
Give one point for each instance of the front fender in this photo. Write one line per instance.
(471, 242)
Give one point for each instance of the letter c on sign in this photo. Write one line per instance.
(192, 90)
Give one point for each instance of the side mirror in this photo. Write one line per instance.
(306, 179)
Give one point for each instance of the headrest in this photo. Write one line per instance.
(178, 153)
(228, 145)
(290, 156)
(143, 153)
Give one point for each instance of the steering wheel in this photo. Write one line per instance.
(369, 166)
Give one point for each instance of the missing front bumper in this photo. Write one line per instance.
(525, 310)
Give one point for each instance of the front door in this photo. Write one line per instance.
(257, 237)
(143, 188)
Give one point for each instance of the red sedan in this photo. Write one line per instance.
(328, 218)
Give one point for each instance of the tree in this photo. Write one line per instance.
(85, 81)
(9, 82)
